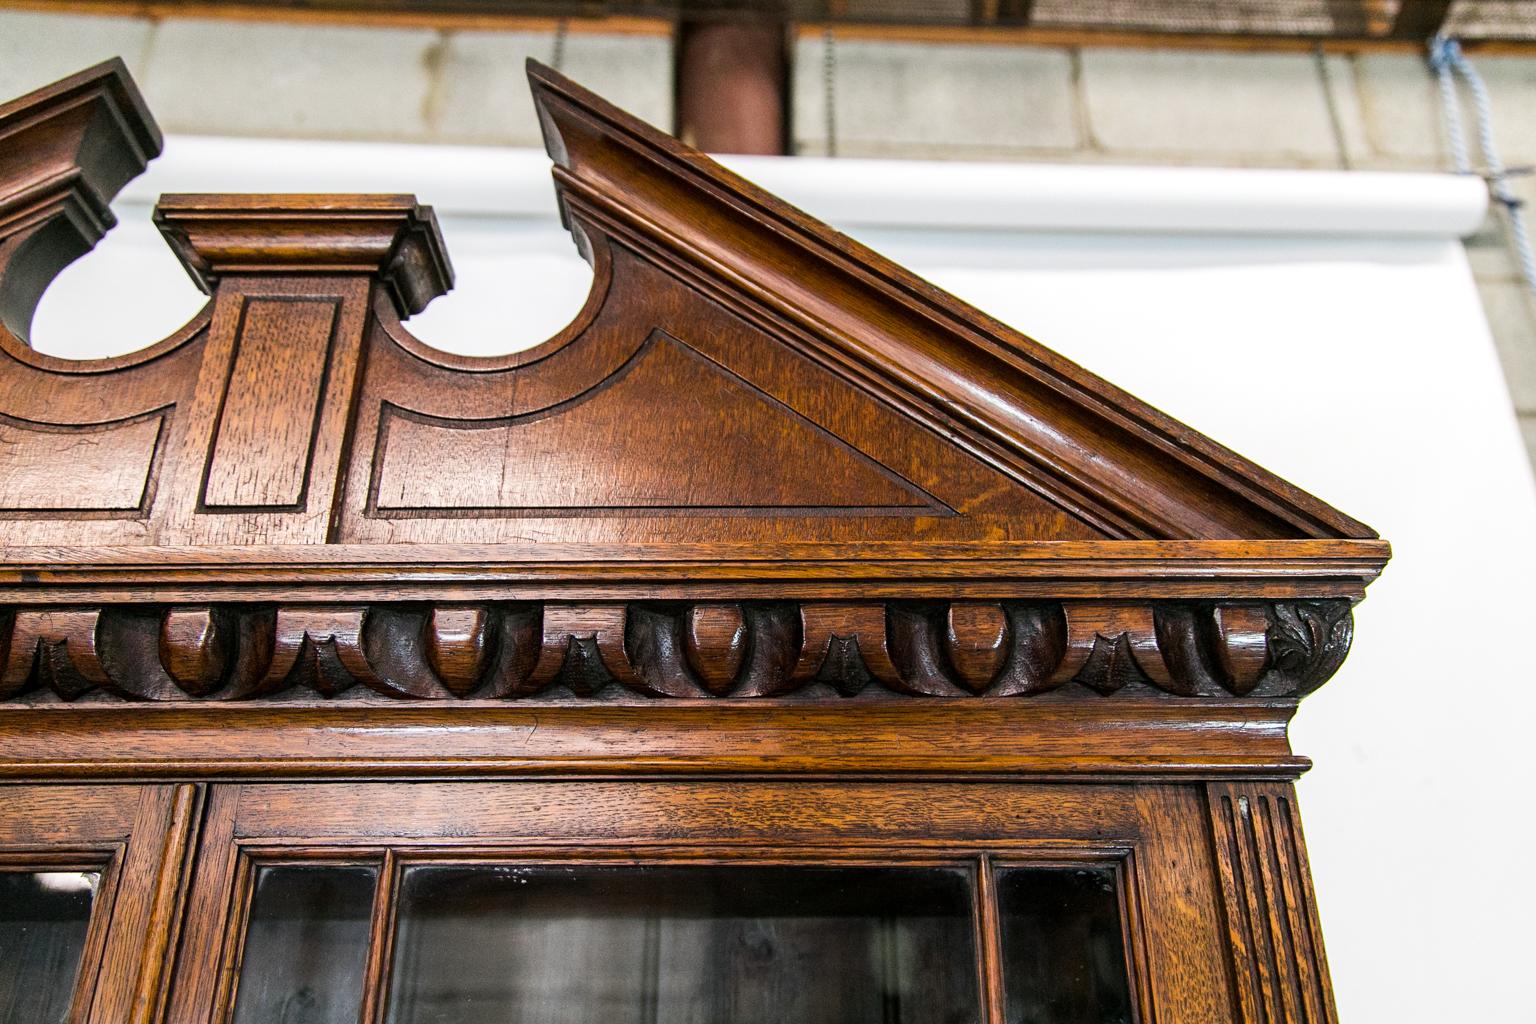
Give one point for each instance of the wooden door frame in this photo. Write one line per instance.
(141, 835)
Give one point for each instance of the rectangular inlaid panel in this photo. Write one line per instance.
(838, 813)
(265, 432)
(43, 466)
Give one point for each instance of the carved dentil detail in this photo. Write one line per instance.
(682, 651)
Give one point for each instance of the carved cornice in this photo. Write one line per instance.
(65, 151)
(699, 651)
(1231, 571)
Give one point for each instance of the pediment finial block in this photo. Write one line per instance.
(391, 237)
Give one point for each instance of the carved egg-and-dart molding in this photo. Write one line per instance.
(695, 651)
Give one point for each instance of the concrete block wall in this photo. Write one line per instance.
(888, 99)
(222, 77)
(1149, 106)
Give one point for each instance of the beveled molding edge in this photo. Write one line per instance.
(603, 651)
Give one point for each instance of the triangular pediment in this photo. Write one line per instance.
(746, 394)
(669, 410)
(1101, 458)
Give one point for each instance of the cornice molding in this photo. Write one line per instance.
(1274, 570)
(65, 151)
(750, 408)
(391, 237)
(601, 651)
(1117, 461)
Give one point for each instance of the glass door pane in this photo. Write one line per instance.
(684, 945)
(306, 945)
(1063, 953)
(44, 919)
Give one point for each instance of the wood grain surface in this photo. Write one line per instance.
(741, 377)
(776, 554)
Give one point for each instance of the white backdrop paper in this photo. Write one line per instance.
(1338, 343)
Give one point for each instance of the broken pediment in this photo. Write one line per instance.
(777, 557)
(746, 393)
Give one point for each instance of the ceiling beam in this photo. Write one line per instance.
(1415, 22)
(1420, 19)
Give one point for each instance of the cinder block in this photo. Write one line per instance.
(1511, 85)
(482, 89)
(634, 71)
(1244, 108)
(1512, 318)
(302, 81)
(36, 48)
(481, 95)
(1342, 91)
(1401, 104)
(907, 99)
(1489, 254)
(1405, 114)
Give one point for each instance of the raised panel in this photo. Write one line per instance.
(47, 468)
(264, 438)
(665, 417)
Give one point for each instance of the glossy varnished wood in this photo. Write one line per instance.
(141, 836)
(775, 554)
(1132, 570)
(713, 650)
(820, 398)
(984, 737)
(1166, 869)
(1280, 972)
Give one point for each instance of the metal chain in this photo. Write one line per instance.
(1448, 62)
(1330, 99)
(557, 53)
(829, 87)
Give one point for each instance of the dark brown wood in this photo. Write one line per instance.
(1135, 570)
(66, 149)
(1279, 969)
(776, 554)
(699, 651)
(1016, 13)
(144, 927)
(1166, 867)
(1155, 738)
(140, 835)
(989, 941)
(833, 397)
(1420, 20)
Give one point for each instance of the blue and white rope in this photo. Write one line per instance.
(1448, 62)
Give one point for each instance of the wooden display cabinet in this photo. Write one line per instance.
(782, 641)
